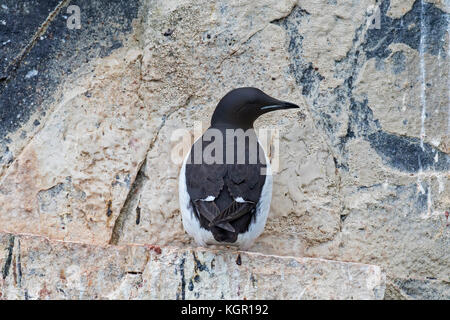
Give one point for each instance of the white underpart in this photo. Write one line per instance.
(204, 237)
(245, 240)
(240, 200)
(209, 198)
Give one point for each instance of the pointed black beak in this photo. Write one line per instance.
(279, 105)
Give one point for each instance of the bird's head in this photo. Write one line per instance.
(240, 107)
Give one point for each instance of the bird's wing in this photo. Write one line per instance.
(223, 194)
(210, 211)
(244, 183)
(233, 212)
(205, 183)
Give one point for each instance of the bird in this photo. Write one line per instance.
(225, 182)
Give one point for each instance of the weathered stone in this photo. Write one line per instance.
(36, 268)
(419, 289)
(364, 165)
(72, 179)
(39, 52)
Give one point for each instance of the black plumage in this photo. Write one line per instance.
(224, 194)
(224, 216)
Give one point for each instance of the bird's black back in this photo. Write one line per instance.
(226, 182)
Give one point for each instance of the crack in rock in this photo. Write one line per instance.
(134, 193)
(8, 259)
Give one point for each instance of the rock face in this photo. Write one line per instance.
(36, 268)
(88, 118)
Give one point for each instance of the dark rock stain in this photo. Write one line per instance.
(420, 199)
(238, 260)
(304, 72)
(108, 208)
(168, 32)
(56, 54)
(7, 265)
(182, 295)
(198, 265)
(399, 61)
(423, 289)
(306, 79)
(253, 280)
(406, 154)
(402, 153)
(408, 29)
(361, 121)
(138, 215)
(19, 264)
(14, 270)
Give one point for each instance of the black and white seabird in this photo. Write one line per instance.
(226, 201)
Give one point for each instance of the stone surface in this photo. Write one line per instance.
(39, 52)
(364, 164)
(36, 268)
(418, 289)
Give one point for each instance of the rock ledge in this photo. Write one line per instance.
(34, 267)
